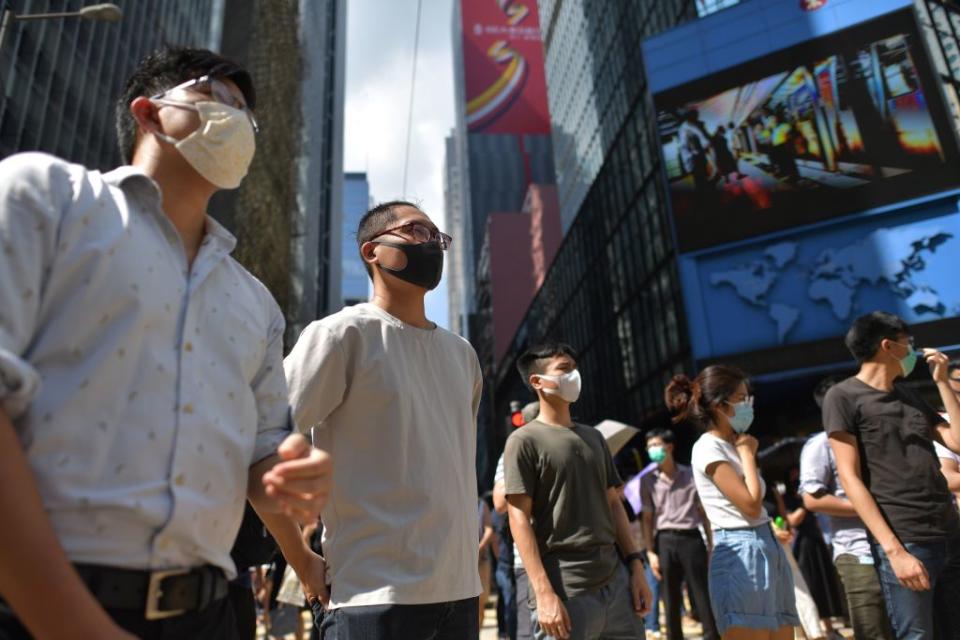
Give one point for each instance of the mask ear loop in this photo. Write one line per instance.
(171, 103)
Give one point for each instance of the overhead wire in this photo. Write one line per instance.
(413, 84)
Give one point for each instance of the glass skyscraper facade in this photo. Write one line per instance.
(613, 290)
(59, 78)
(289, 208)
(453, 206)
(494, 166)
(356, 202)
(594, 80)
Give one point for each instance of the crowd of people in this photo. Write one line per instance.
(145, 400)
(750, 551)
(713, 159)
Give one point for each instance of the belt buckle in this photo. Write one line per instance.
(154, 593)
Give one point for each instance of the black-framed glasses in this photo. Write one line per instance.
(420, 233)
(216, 89)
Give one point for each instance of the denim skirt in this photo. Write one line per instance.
(751, 584)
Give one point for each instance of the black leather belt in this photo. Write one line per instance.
(680, 532)
(159, 594)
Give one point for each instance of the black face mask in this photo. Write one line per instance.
(424, 263)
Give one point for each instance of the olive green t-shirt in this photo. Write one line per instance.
(566, 471)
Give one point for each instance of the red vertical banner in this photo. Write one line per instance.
(504, 67)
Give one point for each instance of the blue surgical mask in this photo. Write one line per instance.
(742, 417)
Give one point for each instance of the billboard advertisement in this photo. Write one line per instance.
(796, 289)
(835, 125)
(504, 75)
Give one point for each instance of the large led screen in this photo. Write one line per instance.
(843, 123)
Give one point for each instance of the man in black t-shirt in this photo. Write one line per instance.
(882, 436)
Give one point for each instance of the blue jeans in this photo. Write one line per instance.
(508, 598)
(923, 615)
(457, 620)
(652, 621)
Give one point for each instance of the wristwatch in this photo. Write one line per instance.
(636, 555)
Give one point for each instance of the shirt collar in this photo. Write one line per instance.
(679, 471)
(129, 175)
(217, 233)
(119, 176)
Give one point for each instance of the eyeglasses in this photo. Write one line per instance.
(216, 89)
(420, 233)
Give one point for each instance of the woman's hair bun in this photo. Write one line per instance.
(681, 396)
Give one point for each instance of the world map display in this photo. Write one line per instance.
(893, 261)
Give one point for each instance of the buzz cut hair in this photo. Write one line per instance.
(376, 221)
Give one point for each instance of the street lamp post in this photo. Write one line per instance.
(104, 12)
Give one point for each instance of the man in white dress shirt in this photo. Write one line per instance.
(142, 395)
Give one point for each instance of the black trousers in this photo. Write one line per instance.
(215, 622)
(244, 610)
(455, 620)
(683, 557)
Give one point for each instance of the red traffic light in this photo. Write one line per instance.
(516, 419)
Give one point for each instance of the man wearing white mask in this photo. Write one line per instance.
(142, 395)
(566, 515)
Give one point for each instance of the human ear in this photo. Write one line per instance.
(534, 381)
(146, 114)
(368, 252)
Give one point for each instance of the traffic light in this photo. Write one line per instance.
(516, 415)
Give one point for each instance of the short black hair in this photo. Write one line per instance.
(376, 220)
(864, 337)
(664, 434)
(533, 360)
(820, 391)
(165, 69)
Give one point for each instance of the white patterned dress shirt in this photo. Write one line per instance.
(141, 390)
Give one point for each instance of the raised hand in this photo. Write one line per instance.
(939, 364)
(746, 444)
(300, 483)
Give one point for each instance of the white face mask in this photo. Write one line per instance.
(568, 386)
(222, 147)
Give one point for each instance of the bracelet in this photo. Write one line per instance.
(636, 555)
